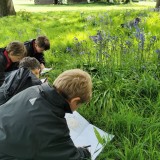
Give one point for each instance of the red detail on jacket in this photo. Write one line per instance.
(9, 62)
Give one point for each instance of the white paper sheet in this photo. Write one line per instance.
(45, 70)
(82, 133)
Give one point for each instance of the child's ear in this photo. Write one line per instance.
(74, 103)
(75, 100)
(10, 53)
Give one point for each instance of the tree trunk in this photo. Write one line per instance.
(158, 4)
(6, 8)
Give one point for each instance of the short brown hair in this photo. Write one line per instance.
(43, 42)
(17, 48)
(30, 63)
(74, 83)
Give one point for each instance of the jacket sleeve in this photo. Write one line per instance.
(40, 57)
(64, 151)
(2, 70)
(84, 152)
(54, 141)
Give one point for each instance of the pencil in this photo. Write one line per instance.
(87, 146)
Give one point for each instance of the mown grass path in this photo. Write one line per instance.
(28, 5)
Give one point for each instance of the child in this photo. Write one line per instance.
(33, 124)
(26, 76)
(36, 47)
(14, 52)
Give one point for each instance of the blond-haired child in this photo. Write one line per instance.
(41, 131)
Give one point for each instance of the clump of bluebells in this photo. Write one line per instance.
(78, 48)
(122, 45)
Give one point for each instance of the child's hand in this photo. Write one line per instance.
(42, 66)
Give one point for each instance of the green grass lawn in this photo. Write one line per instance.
(124, 64)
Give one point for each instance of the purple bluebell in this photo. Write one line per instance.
(97, 38)
(68, 49)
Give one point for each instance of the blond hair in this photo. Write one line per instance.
(17, 48)
(74, 83)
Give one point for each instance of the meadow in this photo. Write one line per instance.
(124, 64)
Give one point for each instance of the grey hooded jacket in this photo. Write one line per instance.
(33, 127)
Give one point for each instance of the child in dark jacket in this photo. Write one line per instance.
(36, 47)
(33, 124)
(26, 76)
(14, 52)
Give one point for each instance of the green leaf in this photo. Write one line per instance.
(100, 139)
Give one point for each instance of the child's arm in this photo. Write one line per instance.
(2, 70)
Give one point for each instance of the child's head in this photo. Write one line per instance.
(16, 51)
(32, 64)
(42, 44)
(74, 84)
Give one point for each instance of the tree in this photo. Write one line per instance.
(158, 4)
(6, 8)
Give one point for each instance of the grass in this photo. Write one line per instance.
(124, 64)
(29, 6)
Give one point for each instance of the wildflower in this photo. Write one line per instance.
(68, 49)
(94, 38)
(128, 43)
(82, 52)
(97, 38)
(158, 52)
(142, 37)
(153, 39)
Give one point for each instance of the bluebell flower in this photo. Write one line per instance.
(94, 38)
(142, 37)
(68, 49)
(82, 52)
(157, 51)
(153, 38)
(128, 43)
(97, 38)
